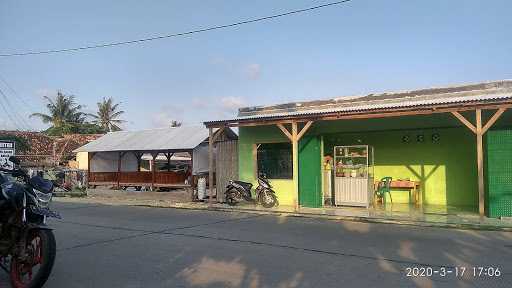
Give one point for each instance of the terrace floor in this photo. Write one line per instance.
(435, 214)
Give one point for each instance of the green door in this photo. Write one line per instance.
(310, 185)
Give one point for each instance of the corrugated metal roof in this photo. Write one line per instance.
(175, 138)
(474, 93)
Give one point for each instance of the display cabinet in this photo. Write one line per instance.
(353, 175)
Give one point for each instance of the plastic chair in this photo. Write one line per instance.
(384, 187)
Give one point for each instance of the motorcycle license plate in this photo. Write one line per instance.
(44, 212)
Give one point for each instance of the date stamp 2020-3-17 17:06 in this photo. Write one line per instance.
(454, 271)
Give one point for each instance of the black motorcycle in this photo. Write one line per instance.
(236, 191)
(27, 245)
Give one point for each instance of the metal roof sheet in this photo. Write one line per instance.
(175, 138)
(481, 92)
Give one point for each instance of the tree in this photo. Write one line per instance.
(65, 116)
(175, 123)
(107, 115)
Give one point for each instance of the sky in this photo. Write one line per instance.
(364, 46)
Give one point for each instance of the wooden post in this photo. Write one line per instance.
(89, 158)
(168, 155)
(138, 155)
(192, 196)
(295, 155)
(479, 131)
(294, 137)
(480, 162)
(210, 166)
(120, 156)
(153, 169)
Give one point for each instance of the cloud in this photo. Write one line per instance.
(253, 71)
(231, 103)
(200, 103)
(165, 115)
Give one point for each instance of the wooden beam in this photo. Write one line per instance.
(218, 133)
(480, 163)
(304, 130)
(210, 167)
(493, 119)
(464, 121)
(285, 131)
(295, 156)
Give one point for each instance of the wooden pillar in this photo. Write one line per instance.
(138, 155)
(295, 154)
(168, 155)
(120, 156)
(210, 166)
(294, 137)
(480, 162)
(479, 131)
(89, 158)
(153, 170)
(192, 196)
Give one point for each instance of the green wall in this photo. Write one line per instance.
(447, 169)
(248, 136)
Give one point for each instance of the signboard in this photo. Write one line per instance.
(7, 149)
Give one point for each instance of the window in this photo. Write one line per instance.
(275, 160)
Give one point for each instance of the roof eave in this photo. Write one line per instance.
(363, 113)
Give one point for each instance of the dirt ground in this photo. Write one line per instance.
(123, 197)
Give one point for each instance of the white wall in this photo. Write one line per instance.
(107, 162)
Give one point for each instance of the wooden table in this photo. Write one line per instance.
(412, 186)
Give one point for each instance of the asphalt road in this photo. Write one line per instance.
(115, 246)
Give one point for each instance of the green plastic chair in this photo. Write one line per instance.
(384, 187)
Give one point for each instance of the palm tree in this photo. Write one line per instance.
(107, 115)
(64, 113)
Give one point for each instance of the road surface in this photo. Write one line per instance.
(116, 246)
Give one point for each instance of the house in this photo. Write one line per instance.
(116, 159)
(443, 147)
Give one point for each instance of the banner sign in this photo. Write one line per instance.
(7, 149)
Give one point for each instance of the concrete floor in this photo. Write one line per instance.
(120, 246)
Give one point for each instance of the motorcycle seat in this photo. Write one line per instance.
(246, 185)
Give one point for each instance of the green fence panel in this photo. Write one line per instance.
(499, 173)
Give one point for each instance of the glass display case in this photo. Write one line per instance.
(353, 175)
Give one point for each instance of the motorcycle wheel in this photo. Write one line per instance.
(231, 201)
(35, 270)
(268, 199)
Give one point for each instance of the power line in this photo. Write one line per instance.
(12, 113)
(18, 96)
(13, 120)
(111, 44)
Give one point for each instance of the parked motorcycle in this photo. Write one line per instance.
(237, 191)
(27, 245)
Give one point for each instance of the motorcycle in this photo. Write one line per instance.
(237, 191)
(27, 245)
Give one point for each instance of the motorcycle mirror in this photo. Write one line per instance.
(14, 160)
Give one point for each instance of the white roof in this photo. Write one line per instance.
(175, 138)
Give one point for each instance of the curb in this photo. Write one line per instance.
(460, 226)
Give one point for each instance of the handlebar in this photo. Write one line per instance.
(15, 172)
